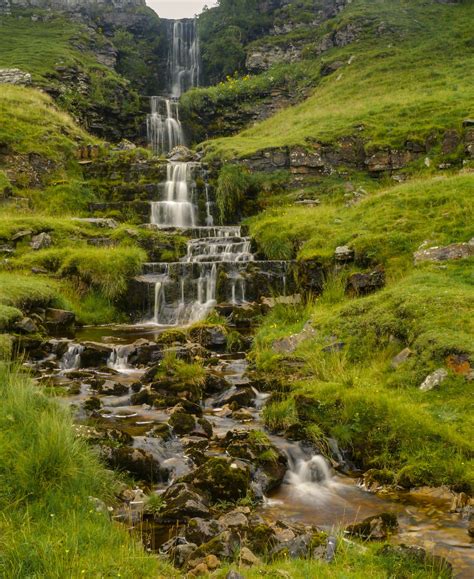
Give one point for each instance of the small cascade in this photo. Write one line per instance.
(71, 359)
(164, 129)
(118, 359)
(178, 208)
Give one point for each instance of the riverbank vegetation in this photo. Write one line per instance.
(59, 526)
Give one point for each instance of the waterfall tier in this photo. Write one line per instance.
(184, 57)
(164, 129)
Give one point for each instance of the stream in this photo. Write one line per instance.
(311, 491)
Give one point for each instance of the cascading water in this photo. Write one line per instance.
(178, 208)
(71, 360)
(118, 359)
(185, 58)
(164, 129)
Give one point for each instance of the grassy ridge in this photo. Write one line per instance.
(402, 83)
(49, 526)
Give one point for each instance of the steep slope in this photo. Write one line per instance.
(384, 71)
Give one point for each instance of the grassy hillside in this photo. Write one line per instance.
(353, 392)
(63, 57)
(404, 78)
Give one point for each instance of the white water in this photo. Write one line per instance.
(118, 359)
(71, 360)
(184, 59)
(178, 208)
(164, 129)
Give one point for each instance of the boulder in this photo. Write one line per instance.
(95, 354)
(376, 528)
(15, 76)
(242, 396)
(183, 502)
(112, 388)
(41, 241)
(234, 520)
(447, 253)
(248, 558)
(401, 357)
(268, 463)
(200, 531)
(344, 254)
(26, 326)
(434, 380)
(181, 421)
(221, 478)
(211, 337)
(56, 319)
(366, 283)
(223, 546)
(289, 345)
(178, 550)
(137, 462)
(98, 222)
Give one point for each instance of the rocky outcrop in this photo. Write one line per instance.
(71, 5)
(14, 76)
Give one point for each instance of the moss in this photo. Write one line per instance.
(182, 423)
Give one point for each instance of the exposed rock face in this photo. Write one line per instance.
(265, 56)
(446, 253)
(14, 75)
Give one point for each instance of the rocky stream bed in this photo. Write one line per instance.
(205, 480)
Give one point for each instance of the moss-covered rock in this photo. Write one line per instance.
(223, 479)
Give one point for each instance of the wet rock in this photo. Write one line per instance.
(242, 396)
(200, 531)
(26, 326)
(183, 502)
(417, 555)
(93, 403)
(181, 421)
(137, 462)
(376, 528)
(366, 283)
(95, 435)
(95, 354)
(242, 415)
(434, 380)
(144, 396)
(162, 431)
(401, 357)
(111, 388)
(214, 383)
(268, 463)
(57, 320)
(450, 252)
(203, 428)
(211, 337)
(41, 241)
(181, 154)
(222, 479)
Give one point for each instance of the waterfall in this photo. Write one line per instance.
(186, 291)
(178, 209)
(184, 59)
(164, 129)
(118, 359)
(71, 360)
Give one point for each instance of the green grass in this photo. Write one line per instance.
(404, 85)
(386, 227)
(352, 560)
(49, 526)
